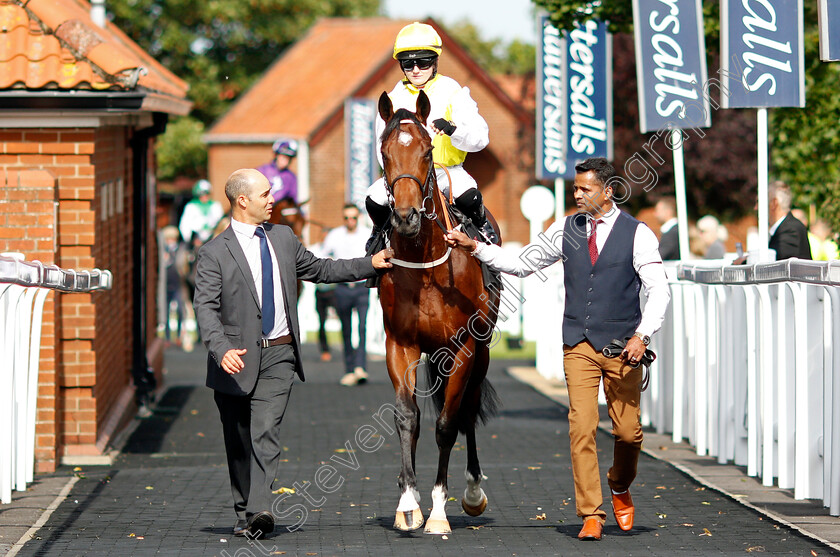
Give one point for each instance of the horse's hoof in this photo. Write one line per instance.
(408, 520)
(474, 510)
(438, 526)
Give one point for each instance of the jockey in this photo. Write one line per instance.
(200, 215)
(454, 123)
(283, 181)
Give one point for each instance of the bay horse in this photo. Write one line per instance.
(434, 303)
(288, 212)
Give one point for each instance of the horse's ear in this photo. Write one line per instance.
(386, 109)
(424, 107)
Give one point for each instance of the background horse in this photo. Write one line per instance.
(433, 302)
(288, 212)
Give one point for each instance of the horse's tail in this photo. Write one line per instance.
(488, 404)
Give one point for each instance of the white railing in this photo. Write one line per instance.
(23, 290)
(748, 371)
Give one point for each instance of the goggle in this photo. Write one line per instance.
(422, 63)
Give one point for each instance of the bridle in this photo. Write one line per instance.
(425, 186)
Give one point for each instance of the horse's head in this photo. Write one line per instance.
(407, 159)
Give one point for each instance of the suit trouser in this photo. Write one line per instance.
(585, 367)
(251, 426)
(347, 298)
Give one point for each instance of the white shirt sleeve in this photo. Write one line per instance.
(648, 265)
(187, 224)
(471, 132)
(528, 260)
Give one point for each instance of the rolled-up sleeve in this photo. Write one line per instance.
(651, 271)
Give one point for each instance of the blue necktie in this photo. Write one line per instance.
(267, 284)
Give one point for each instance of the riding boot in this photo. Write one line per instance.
(379, 216)
(470, 203)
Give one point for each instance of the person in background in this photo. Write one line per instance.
(283, 181)
(346, 242)
(669, 241)
(712, 235)
(823, 244)
(200, 216)
(324, 300)
(788, 235)
(175, 265)
(608, 258)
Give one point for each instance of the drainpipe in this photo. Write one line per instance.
(143, 375)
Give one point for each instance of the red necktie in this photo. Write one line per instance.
(593, 247)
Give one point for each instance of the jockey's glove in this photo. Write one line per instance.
(445, 126)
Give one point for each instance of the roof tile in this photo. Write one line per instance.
(55, 44)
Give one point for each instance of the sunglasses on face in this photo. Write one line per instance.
(351, 218)
(422, 63)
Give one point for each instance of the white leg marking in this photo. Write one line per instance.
(438, 503)
(409, 501)
(473, 495)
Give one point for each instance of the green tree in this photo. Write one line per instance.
(494, 55)
(220, 48)
(804, 142)
(180, 151)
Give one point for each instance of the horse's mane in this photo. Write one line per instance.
(396, 120)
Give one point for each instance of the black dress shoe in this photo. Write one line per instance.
(240, 527)
(260, 525)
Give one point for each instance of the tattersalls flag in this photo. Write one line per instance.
(574, 97)
(671, 64)
(762, 54)
(362, 166)
(829, 30)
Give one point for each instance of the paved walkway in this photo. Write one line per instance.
(167, 492)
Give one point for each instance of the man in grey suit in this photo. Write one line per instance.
(246, 289)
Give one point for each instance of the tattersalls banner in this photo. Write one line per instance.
(671, 64)
(362, 165)
(829, 30)
(762, 55)
(574, 97)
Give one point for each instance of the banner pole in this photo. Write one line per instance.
(679, 186)
(763, 182)
(559, 199)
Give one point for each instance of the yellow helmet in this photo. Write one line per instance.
(416, 40)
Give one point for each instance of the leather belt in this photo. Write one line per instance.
(266, 342)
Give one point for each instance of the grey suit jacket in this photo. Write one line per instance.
(227, 306)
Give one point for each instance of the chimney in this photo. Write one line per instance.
(97, 12)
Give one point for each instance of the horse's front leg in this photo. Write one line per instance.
(446, 433)
(402, 368)
(474, 501)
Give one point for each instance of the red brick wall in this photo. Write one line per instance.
(86, 354)
(27, 225)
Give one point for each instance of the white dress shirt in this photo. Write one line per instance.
(250, 243)
(340, 243)
(539, 255)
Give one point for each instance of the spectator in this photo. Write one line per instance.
(788, 236)
(324, 300)
(175, 265)
(283, 181)
(712, 235)
(348, 242)
(669, 240)
(823, 245)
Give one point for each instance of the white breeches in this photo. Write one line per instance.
(461, 182)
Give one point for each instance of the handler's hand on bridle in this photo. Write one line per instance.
(633, 351)
(457, 239)
(381, 260)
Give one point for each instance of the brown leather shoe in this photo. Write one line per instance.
(624, 510)
(591, 530)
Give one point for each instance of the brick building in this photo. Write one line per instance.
(302, 96)
(80, 106)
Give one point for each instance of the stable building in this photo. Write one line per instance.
(80, 106)
(304, 96)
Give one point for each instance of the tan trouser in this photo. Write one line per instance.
(585, 367)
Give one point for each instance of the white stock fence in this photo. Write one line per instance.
(748, 371)
(23, 290)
